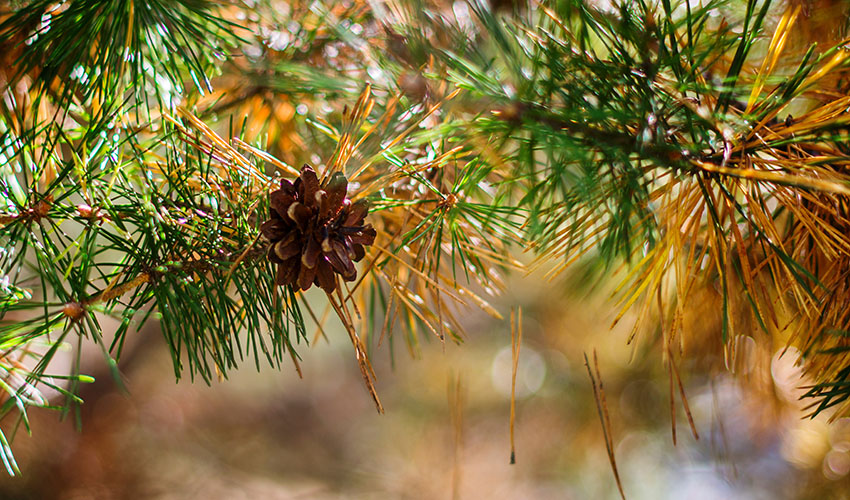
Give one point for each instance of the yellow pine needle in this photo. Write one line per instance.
(775, 177)
(502, 259)
(295, 362)
(413, 334)
(743, 259)
(418, 272)
(408, 130)
(236, 159)
(390, 108)
(633, 271)
(650, 277)
(345, 146)
(384, 181)
(113, 292)
(390, 312)
(672, 394)
(777, 43)
(480, 302)
(836, 59)
(239, 260)
(584, 247)
(267, 157)
(407, 297)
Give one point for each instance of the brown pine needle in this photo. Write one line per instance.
(455, 396)
(685, 405)
(362, 278)
(602, 408)
(295, 361)
(672, 408)
(113, 292)
(348, 298)
(319, 324)
(241, 257)
(516, 342)
(366, 371)
(391, 308)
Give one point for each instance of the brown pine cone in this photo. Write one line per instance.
(315, 231)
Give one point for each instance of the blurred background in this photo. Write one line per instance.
(445, 433)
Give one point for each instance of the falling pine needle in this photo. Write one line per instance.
(516, 342)
(672, 408)
(602, 408)
(684, 398)
(454, 394)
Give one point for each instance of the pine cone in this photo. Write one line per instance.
(315, 231)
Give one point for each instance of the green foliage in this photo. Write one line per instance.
(96, 51)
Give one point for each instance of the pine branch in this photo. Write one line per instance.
(653, 137)
(629, 145)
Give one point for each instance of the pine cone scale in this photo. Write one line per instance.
(287, 272)
(357, 213)
(300, 215)
(325, 276)
(306, 277)
(280, 202)
(311, 253)
(336, 190)
(287, 249)
(309, 187)
(359, 252)
(365, 237)
(273, 229)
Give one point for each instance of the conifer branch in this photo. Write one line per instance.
(142, 144)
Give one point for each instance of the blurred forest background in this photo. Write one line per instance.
(273, 435)
(445, 434)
